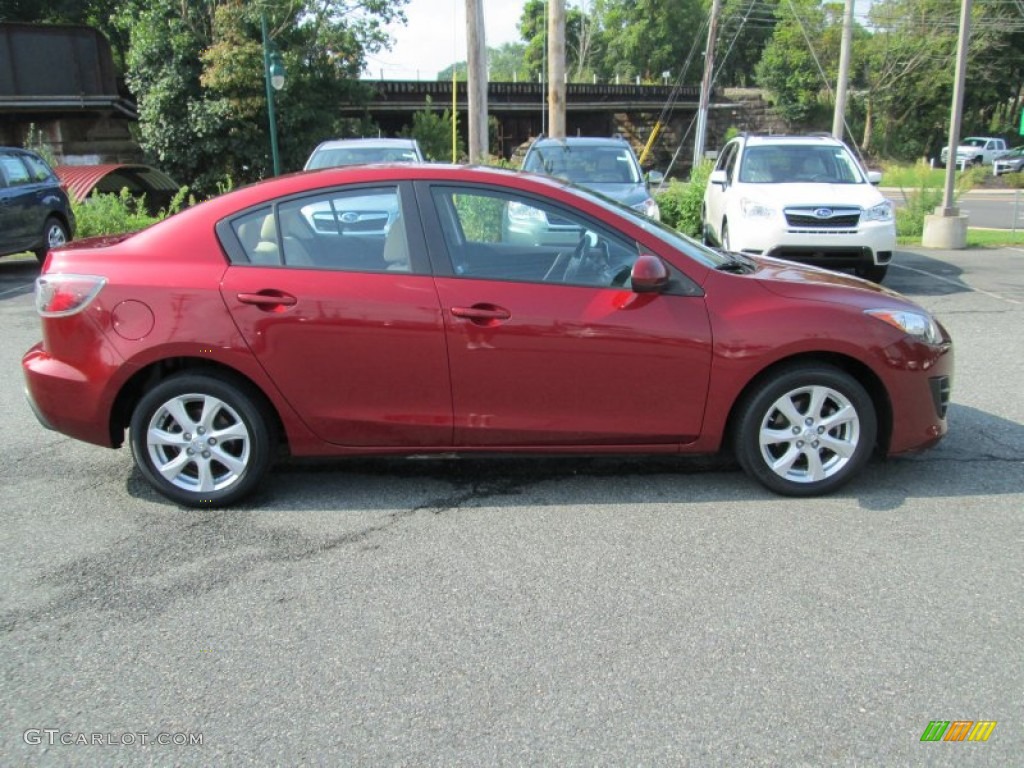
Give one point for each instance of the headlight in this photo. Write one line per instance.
(649, 208)
(880, 212)
(755, 209)
(918, 325)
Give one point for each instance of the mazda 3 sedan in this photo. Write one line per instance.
(283, 319)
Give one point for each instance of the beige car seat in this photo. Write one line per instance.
(396, 248)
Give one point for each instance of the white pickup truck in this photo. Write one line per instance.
(978, 150)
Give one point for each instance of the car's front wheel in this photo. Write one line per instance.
(202, 439)
(54, 234)
(806, 430)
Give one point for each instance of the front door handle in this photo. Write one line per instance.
(275, 301)
(482, 314)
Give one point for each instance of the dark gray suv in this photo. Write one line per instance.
(35, 214)
(605, 165)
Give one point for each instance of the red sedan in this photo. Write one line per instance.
(434, 309)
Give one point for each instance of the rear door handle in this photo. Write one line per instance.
(482, 314)
(274, 300)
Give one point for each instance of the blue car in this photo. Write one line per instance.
(35, 213)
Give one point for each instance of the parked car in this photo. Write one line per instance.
(35, 214)
(1011, 162)
(804, 198)
(338, 153)
(977, 150)
(238, 329)
(605, 165)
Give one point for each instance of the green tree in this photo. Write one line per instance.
(647, 37)
(799, 62)
(504, 64)
(434, 134)
(581, 42)
(909, 67)
(196, 69)
(744, 29)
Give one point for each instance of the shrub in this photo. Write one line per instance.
(681, 203)
(924, 197)
(107, 214)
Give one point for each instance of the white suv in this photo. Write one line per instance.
(803, 198)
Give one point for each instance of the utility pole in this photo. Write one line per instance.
(477, 83)
(705, 84)
(839, 117)
(556, 67)
(947, 228)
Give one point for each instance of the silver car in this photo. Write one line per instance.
(341, 152)
(1011, 162)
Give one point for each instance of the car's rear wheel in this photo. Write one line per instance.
(202, 440)
(54, 234)
(806, 430)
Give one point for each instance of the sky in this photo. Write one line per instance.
(435, 37)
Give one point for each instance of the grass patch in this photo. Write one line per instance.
(993, 238)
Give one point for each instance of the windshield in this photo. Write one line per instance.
(799, 164)
(585, 164)
(973, 142)
(342, 156)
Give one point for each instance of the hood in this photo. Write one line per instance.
(802, 281)
(628, 194)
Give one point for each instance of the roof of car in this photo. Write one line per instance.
(788, 139)
(582, 140)
(367, 142)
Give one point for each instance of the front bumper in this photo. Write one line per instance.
(919, 381)
(867, 243)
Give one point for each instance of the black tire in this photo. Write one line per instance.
(725, 237)
(218, 439)
(54, 234)
(875, 273)
(705, 235)
(824, 452)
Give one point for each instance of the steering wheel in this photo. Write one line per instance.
(556, 271)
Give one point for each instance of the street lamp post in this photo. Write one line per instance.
(273, 76)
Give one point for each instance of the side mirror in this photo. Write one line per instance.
(875, 177)
(655, 177)
(649, 274)
(719, 177)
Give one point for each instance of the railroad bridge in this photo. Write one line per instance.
(520, 110)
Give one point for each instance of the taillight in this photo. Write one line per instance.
(63, 295)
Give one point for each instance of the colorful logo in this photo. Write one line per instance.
(958, 730)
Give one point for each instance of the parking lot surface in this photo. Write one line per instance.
(527, 612)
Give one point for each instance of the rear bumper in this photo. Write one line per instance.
(66, 399)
